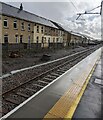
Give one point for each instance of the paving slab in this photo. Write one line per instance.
(91, 102)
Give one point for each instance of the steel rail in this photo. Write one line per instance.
(44, 73)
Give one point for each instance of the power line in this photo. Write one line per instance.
(74, 5)
(89, 12)
(82, 18)
(76, 8)
(101, 8)
(94, 8)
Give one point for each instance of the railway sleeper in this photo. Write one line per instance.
(67, 67)
(47, 79)
(59, 73)
(37, 85)
(43, 81)
(51, 76)
(32, 90)
(26, 92)
(64, 69)
(55, 74)
(22, 95)
(12, 101)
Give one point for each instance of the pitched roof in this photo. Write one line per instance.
(58, 25)
(9, 10)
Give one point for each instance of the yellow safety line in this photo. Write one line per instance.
(76, 101)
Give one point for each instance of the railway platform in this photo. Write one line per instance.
(91, 104)
(75, 94)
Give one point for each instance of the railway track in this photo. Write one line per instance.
(18, 94)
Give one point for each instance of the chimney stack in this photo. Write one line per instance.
(21, 6)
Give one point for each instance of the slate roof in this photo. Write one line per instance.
(9, 10)
(58, 25)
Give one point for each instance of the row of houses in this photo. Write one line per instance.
(27, 30)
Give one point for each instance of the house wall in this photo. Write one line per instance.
(75, 39)
(38, 34)
(47, 36)
(11, 32)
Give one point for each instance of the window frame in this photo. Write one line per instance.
(17, 38)
(21, 36)
(15, 23)
(6, 35)
(29, 26)
(42, 29)
(22, 26)
(37, 29)
(37, 39)
(5, 20)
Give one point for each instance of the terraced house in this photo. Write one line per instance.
(26, 30)
(20, 29)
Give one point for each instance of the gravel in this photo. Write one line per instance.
(24, 76)
(30, 59)
(35, 85)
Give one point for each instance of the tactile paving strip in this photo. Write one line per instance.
(67, 104)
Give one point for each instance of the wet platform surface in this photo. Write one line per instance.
(91, 103)
(39, 105)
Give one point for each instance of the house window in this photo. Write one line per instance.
(22, 26)
(5, 23)
(37, 29)
(5, 38)
(15, 24)
(41, 29)
(29, 27)
(37, 39)
(29, 39)
(16, 38)
(21, 38)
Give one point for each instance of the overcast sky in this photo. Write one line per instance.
(65, 12)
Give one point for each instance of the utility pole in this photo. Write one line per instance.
(101, 8)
